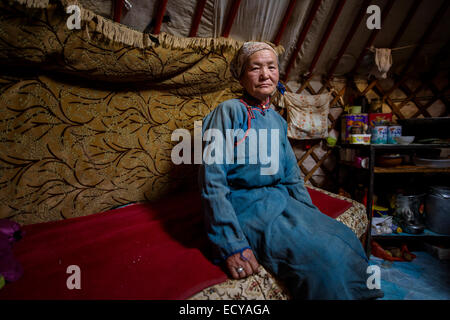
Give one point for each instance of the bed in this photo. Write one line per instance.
(144, 251)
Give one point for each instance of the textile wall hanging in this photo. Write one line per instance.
(86, 116)
(307, 115)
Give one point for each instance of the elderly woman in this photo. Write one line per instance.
(254, 218)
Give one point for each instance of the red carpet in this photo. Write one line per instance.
(141, 251)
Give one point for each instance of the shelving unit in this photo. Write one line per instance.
(371, 151)
(409, 169)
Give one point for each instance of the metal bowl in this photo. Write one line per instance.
(404, 139)
(413, 228)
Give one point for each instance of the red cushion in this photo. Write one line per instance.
(141, 251)
(332, 207)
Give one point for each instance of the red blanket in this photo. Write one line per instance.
(141, 251)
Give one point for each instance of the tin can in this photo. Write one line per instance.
(360, 138)
(352, 120)
(393, 131)
(361, 162)
(379, 135)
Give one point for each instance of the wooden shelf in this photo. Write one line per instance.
(351, 164)
(426, 234)
(409, 168)
(400, 169)
(395, 146)
(371, 151)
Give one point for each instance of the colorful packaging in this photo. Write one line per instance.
(379, 135)
(379, 211)
(361, 162)
(393, 131)
(360, 138)
(379, 119)
(352, 120)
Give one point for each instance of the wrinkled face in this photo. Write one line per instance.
(260, 77)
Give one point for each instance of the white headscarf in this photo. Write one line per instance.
(247, 49)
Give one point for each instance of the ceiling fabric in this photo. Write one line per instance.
(261, 19)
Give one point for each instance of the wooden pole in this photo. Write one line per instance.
(428, 32)
(231, 17)
(118, 6)
(287, 16)
(160, 16)
(336, 13)
(348, 38)
(373, 35)
(302, 36)
(197, 17)
(411, 12)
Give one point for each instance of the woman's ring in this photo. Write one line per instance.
(240, 269)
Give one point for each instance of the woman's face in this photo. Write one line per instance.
(260, 77)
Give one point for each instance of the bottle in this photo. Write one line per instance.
(396, 229)
(376, 106)
(359, 193)
(362, 102)
(364, 105)
(350, 96)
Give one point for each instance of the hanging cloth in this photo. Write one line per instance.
(383, 60)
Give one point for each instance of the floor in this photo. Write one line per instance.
(424, 278)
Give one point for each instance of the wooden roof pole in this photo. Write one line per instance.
(287, 16)
(302, 36)
(197, 17)
(231, 17)
(348, 38)
(118, 6)
(372, 37)
(323, 41)
(160, 16)
(429, 74)
(337, 11)
(411, 12)
(434, 22)
(443, 53)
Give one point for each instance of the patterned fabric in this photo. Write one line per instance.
(264, 286)
(261, 286)
(86, 122)
(307, 116)
(355, 217)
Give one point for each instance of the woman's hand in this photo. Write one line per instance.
(248, 263)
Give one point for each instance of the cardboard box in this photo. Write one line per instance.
(380, 118)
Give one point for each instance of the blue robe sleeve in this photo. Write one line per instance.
(222, 225)
(293, 179)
